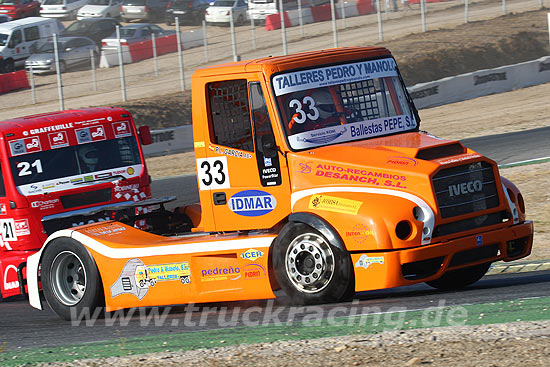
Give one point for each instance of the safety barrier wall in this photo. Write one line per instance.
(135, 52)
(319, 13)
(13, 81)
(431, 94)
(481, 83)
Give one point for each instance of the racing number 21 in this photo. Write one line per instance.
(213, 173)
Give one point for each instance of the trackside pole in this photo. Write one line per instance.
(379, 15)
(121, 65)
(334, 27)
(253, 30)
(233, 38)
(180, 53)
(423, 14)
(33, 90)
(466, 11)
(301, 18)
(58, 72)
(155, 58)
(343, 13)
(503, 7)
(283, 28)
(548, 28)
(205, 41)
(94, 76)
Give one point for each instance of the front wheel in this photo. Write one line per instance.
(309, 269)
(70, 279)
(456, 279)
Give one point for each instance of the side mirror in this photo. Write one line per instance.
(269, 147)
(144, 134)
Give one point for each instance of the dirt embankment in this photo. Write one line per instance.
(422, 57)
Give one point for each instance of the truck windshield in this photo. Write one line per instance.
(72, 165)
(342, 103)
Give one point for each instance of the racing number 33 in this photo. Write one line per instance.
(213, 173)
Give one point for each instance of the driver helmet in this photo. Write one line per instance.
(89, 155)
(324, 103)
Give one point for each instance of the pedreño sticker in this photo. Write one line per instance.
(252, 203)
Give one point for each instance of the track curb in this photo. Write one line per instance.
(519, 267)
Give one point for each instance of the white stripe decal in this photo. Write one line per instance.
(429, 217)
(178, 249)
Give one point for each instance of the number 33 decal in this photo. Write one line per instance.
(213, 173)
(302, 115)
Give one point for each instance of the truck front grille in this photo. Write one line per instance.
(86, 198)
(465, 189)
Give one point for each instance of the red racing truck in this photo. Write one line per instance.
(63, 169)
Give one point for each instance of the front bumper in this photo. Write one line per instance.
(390, 269)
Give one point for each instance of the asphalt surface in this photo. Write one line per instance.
(22, 326)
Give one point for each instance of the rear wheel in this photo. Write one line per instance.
(456, 279)
(70, 279)
(309, 269)
(62, 66)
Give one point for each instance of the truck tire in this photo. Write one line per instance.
(70, 279)
(460, 278)
(309, 269)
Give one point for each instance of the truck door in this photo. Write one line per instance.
(247, 176)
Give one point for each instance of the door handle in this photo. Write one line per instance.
(219, 198)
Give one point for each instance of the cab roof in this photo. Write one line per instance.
(301, 60)
(17, 125)
(8, 26)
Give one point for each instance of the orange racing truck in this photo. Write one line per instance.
(313, 177)
(63, 169)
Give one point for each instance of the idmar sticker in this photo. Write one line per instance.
(252, 203)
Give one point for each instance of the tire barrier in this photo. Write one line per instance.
(13, 81)
(319, 13)
(138, 51)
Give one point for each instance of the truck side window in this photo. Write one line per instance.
(31, 33)
(266, 150)
(2, 188)
(16, 39)
(230, 114)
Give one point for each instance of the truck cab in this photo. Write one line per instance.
(63, 169)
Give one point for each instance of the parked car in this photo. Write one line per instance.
(72, 51)
(61, 8)
(100, 9)
(188, 11)
(142, 9)
(135, 33)
(220, 12)
(94, 28)
(20, 37)
(17, 9)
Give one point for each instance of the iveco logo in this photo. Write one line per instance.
(465, 187)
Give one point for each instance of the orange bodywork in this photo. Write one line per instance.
(377, 194)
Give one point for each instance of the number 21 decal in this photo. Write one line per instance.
(26, 168)
(213, 173)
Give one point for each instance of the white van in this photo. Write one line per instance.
(19, 38)
(61, 8)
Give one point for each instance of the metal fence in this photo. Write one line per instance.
(171, 72)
